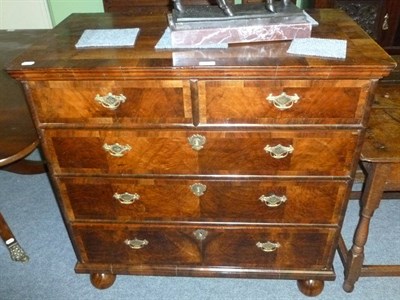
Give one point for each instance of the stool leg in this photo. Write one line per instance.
(16, 252)
(371, 197)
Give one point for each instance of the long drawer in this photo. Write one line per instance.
(112, 102)
(269, 247)
(275, 152)
(267, 201)
(282, 101)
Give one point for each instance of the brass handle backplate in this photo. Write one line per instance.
(126, 198)
(279, 151)
(197, 141)
(268, 246)
(198, 189)
(136, 244)
(283, 101)
(273, 200)
(116, 149)
(110, 101)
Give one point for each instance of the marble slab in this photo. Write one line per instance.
(241, 34)
(252, 54)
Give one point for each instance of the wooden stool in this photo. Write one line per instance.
(18, 137)
(380, 158)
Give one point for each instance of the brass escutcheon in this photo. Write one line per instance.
(200, 234)
(283, 101)
(126, 198)
(198, 189)
(197, 141)
(110, 101)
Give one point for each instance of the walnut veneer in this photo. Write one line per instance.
(199, 171)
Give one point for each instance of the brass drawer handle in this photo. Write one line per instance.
(268, 246)
(273, 200)
(116, 149)
(279, 151)
(198, 189)
(110, 101)
(200, 234)
(136, 244)
(126, 198)
(283, 101)
(385, 25)
(197, 141)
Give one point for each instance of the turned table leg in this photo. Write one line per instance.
(102, 280)
(371, 197)
(310, 287)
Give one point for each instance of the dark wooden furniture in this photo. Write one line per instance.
(232, 162)
(18, 136)
(149, 6)
(380, 158)
(380, 18)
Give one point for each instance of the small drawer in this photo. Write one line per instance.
(119, 103)
(266, 247)
(275, 152)
(282, 101)
(171, 200)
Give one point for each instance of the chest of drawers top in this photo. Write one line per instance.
(56, 58)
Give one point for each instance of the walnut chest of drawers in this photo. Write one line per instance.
(233, 162)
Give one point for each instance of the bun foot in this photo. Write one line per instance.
(310, 287)
(102, 280)
(348, 287)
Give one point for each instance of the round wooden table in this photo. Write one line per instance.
(18, 137)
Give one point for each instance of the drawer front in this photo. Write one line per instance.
(267, 201)
(136, 244)
(279, 152)
(269, 247)
(144, 102)
(282, 102)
